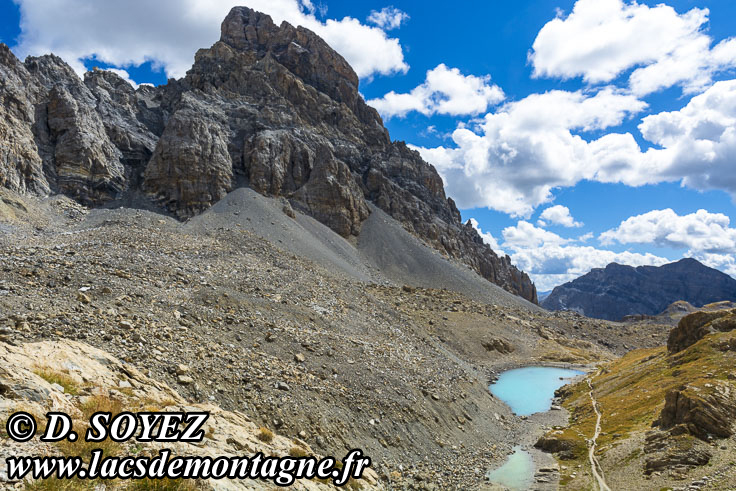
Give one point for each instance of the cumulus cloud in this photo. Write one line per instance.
(516, 156)
(700, 232)
(552, 260)
(557, 215)
(169, 32)
(388, 18)
(526, 236)
(513, 158)
(601, 39)
(707, 236)
(445, 91)
(698, 142)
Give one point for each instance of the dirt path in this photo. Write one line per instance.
(594, 464)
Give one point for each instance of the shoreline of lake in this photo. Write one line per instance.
(535, 425)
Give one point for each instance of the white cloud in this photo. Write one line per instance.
(514, 157)
(558, 215)
(388, 18)
(526, 236)
(601, 39)
(707, 236)
(169, 32)
(700, 232)
(552, 260)
(698, 142)
(445, 91)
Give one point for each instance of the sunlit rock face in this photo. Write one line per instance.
(272, 107)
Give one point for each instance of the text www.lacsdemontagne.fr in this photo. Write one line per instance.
(162, 427)
(282, 471)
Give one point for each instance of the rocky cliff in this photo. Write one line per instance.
(618, 291)
(272, 107)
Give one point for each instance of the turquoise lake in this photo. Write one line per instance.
(530, 390)
(517, 473)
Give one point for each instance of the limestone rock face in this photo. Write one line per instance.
(191, 168)
(123, 115)
(278, 162)
(21, 167)
(332, 182)
(53, 139)
(88, 165)
(271, 107)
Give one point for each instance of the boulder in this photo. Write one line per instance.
(497, 344)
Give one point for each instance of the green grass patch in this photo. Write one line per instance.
(56, 377)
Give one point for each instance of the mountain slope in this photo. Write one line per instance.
(271, 107)
(281, 334)
(78, 379)
(667, 413)
(617, 290)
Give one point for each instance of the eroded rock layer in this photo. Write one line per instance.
(270, 106)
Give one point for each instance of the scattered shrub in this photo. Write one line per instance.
(298, 452)
(265, 435)
(99, 403)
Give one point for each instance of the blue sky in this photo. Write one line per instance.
(574, 132)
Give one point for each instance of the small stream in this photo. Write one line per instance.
(526, 391)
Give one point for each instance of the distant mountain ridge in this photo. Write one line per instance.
(617, 290)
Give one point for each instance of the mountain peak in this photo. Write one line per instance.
(619, 290)
(245, 28)
(271, 107)
(300, 50)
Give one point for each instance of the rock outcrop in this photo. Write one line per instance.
(700, 411)
(667, 453)
(618, 291)
(21, 167)
(272, 107)
(694, 327)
